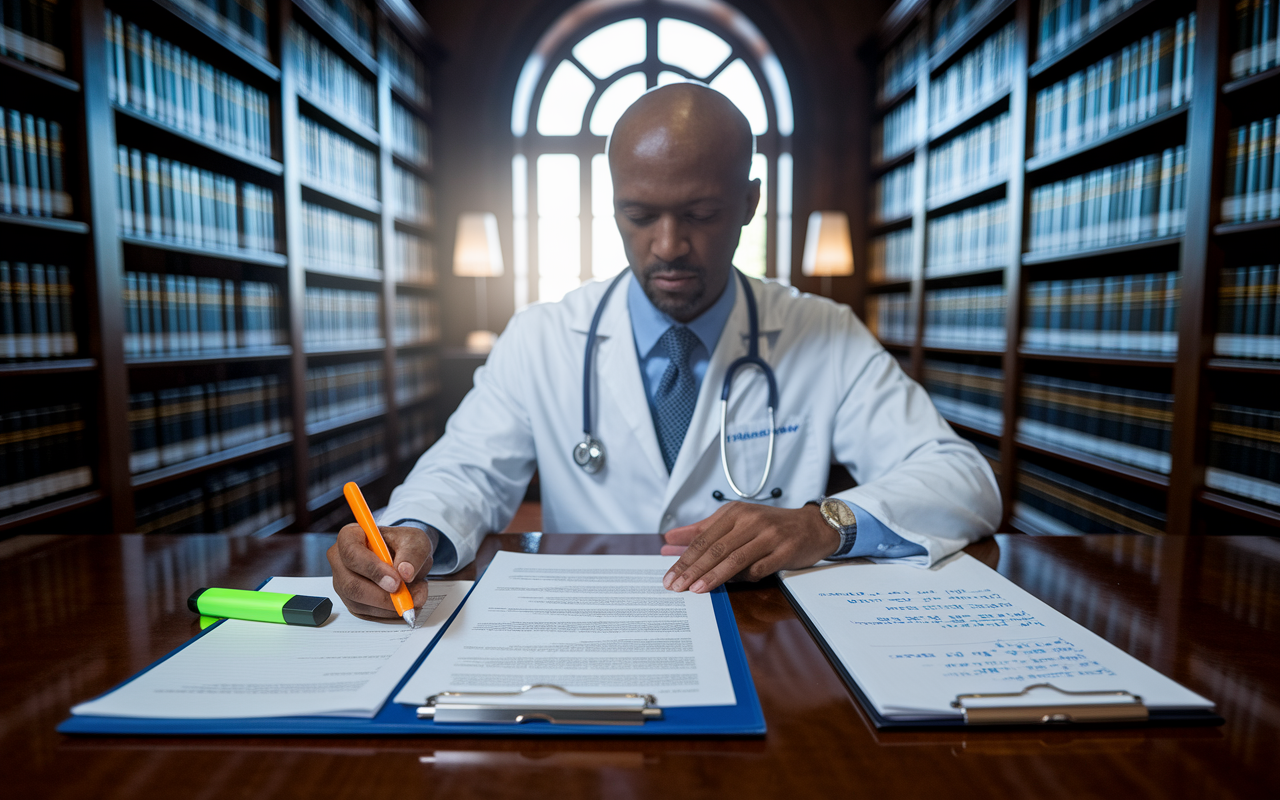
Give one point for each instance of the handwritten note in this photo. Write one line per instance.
(913, 639)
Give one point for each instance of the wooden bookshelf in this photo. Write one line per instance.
(1198, 254)
(90, 242)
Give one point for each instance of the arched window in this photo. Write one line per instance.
(589, 66)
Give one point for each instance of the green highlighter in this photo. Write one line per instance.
(289, 609)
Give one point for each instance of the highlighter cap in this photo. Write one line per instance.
(304, 610)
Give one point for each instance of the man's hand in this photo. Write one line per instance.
(365, 583)
(748, 541)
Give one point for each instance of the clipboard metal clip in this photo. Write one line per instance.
(1031, 707)
(544, 702)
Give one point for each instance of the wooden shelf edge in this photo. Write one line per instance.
(155, 477)
(417, 401)
(410, 102)
(423, 171)
(973, 27)
(884, 225)
(179, 359)
(346, 420)
(321, 500)
(254, 59)
(267, 165)
(1230, 228)
(317, 269)
(966, 273)
(417, 287)
(893, 162)
(1249, 81)
(1147, 478)
(341, 119)
(975, 194)
(1044, 64)
(410, 226)
(881, 287)
(367, 346)
(39, 73)
(960, 426)
(274, 527)
(1033, 258)
(351, 47)
(964, 351)
(52, 508)
(1038, 163)
(889, 102)
(947, 127)
(1099, 357)
(50, 367)
(1222, 364)
(46, 223)
(418, 344)
(260, 257)
(1245, 508)
(345, 199)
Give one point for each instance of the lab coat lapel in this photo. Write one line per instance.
(618, 383)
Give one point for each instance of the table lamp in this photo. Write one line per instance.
(477, 253)
(828, 250)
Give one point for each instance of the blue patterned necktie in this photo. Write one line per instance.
(677, 393)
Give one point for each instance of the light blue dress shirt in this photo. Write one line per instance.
(647, 326)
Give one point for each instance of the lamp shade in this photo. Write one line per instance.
(828, 251)
(477, 252)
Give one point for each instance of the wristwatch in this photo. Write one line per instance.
(841, 517)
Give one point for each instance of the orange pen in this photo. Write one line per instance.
(400, 598)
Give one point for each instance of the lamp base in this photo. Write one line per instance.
(481, 341)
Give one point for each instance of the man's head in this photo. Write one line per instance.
(680, 158)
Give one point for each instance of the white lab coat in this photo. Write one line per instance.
(842, 398)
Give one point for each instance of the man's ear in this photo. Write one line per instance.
(753, 200)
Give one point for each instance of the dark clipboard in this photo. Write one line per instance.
(744, 718)
(1155, 717)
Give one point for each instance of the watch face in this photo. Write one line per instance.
(838, 513)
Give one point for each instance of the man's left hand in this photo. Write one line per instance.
(747, 541)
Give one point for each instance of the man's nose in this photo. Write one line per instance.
(669, 241)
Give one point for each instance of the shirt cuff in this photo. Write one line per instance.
(875, 540)
(444, 556)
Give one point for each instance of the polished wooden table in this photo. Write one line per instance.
(81, 613)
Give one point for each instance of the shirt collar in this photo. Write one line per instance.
(648, 323)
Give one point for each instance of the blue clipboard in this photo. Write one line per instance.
(743, 719)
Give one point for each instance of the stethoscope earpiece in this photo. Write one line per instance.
(719, 495)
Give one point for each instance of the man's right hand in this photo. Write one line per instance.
(365, 583)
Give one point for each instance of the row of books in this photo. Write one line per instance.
(160, 80)
(328, 79)
(245, 21)
(1118, 313)
(410, 197)
(42, 454)
(178, 314)
(177, 424)
(1065, 22)
(980, 76)
(410, 136)
(349, 456)
(417, 320)
(1244, 452)
(338, 242)
(896, 132)
(340, 316)
(972, 239)
(36, 317)
(417, 377)
(31, 163)
(891, 317)
(1148, 77)
(1249, 313)
(891, 256)
(950, 17)
(899, 67)
(1055, 504)
(331, 159)
(1129, 426)
(236, 501)
(974, 158)
(1254, 35)
(353, 17)
(1252, 190)
(893, 193)
(1139, 199)
(168, 200)
(340, 389)
(417, 432)
(967, 394)
(970, 316)
(413, 260)
(31, 31)
(408, 73)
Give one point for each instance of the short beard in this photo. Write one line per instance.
(681, 308)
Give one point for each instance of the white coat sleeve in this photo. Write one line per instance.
(472, 480)
(914, 473)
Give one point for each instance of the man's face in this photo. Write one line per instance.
(680, 211)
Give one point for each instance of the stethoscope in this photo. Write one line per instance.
(589, 453)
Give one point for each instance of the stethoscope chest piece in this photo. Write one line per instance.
(589, 454)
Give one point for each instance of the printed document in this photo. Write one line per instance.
(588, 623)
(344, 668)
(914, 639)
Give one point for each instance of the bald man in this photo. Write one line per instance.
(680, 159)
